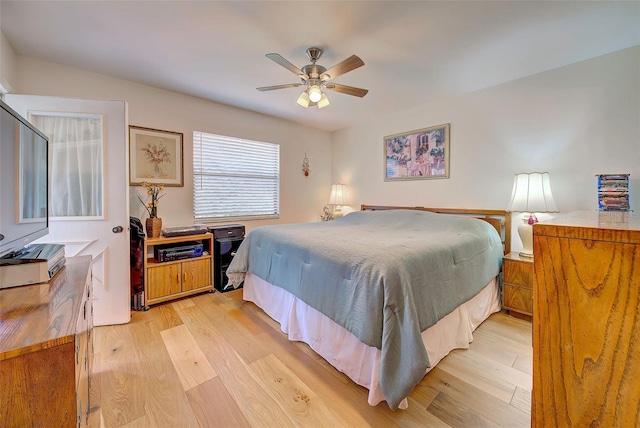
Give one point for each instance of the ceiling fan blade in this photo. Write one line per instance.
(349, 90)
(341, 68)
(278, 59)
(271, 88)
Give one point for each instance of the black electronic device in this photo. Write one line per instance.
(34, 264)
(226, 240)
(24, 174)
(180, 251)
(227, 231)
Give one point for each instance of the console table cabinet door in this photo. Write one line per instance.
(164, 280)
(196, 274)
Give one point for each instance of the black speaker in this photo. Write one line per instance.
(226, 240)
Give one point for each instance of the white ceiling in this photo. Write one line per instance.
(413, 51)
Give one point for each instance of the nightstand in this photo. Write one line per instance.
(517, 284)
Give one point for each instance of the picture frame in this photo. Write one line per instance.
(155, 156)
(418, 154)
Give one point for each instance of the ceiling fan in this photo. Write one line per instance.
(316, 78)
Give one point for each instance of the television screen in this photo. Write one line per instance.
(24, 182)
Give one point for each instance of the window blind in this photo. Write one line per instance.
(235, 178)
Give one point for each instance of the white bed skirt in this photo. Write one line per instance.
(345, 351)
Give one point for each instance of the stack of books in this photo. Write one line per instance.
(613, 192)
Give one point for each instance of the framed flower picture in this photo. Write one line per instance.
(155, 156)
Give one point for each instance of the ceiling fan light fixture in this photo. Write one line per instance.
(314, 77)
(315, 94)
(324, 101)
(303, 99)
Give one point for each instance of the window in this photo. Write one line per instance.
(234, 178)
(77, 163)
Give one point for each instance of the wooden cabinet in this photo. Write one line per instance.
(46, 350)
(517, 283)
(586, 324)
(170, 280)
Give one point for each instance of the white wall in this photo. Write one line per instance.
(301, 198)
(574, 122)
(7, 65)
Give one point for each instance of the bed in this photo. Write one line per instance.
(383, 293)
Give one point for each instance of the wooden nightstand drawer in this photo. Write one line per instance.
(517, 284)
(518, 273)
(516, 298)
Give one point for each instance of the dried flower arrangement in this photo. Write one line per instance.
(153, 190)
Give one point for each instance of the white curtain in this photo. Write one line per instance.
(76, 163)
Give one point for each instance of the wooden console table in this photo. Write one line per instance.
(178, 278)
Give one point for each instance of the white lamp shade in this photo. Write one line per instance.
(324, 101)
(532, 194)
(303, 99)
(337, 194)
(315, 94)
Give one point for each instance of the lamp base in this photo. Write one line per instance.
(525, 231)
(337, 211)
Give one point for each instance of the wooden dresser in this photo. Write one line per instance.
(46, 350)
(586, 323)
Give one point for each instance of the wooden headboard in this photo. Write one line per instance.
(499, 219)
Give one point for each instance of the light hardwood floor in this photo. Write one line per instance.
(213, 360)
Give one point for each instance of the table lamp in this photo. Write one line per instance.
(336, 200)
(531, 194)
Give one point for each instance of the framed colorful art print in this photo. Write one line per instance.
(419, 154)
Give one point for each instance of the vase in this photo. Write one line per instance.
(153, 226)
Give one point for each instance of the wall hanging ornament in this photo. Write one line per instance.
(305, 165)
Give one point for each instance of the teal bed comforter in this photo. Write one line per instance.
(385, 276)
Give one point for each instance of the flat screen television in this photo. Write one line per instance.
(24, 182)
